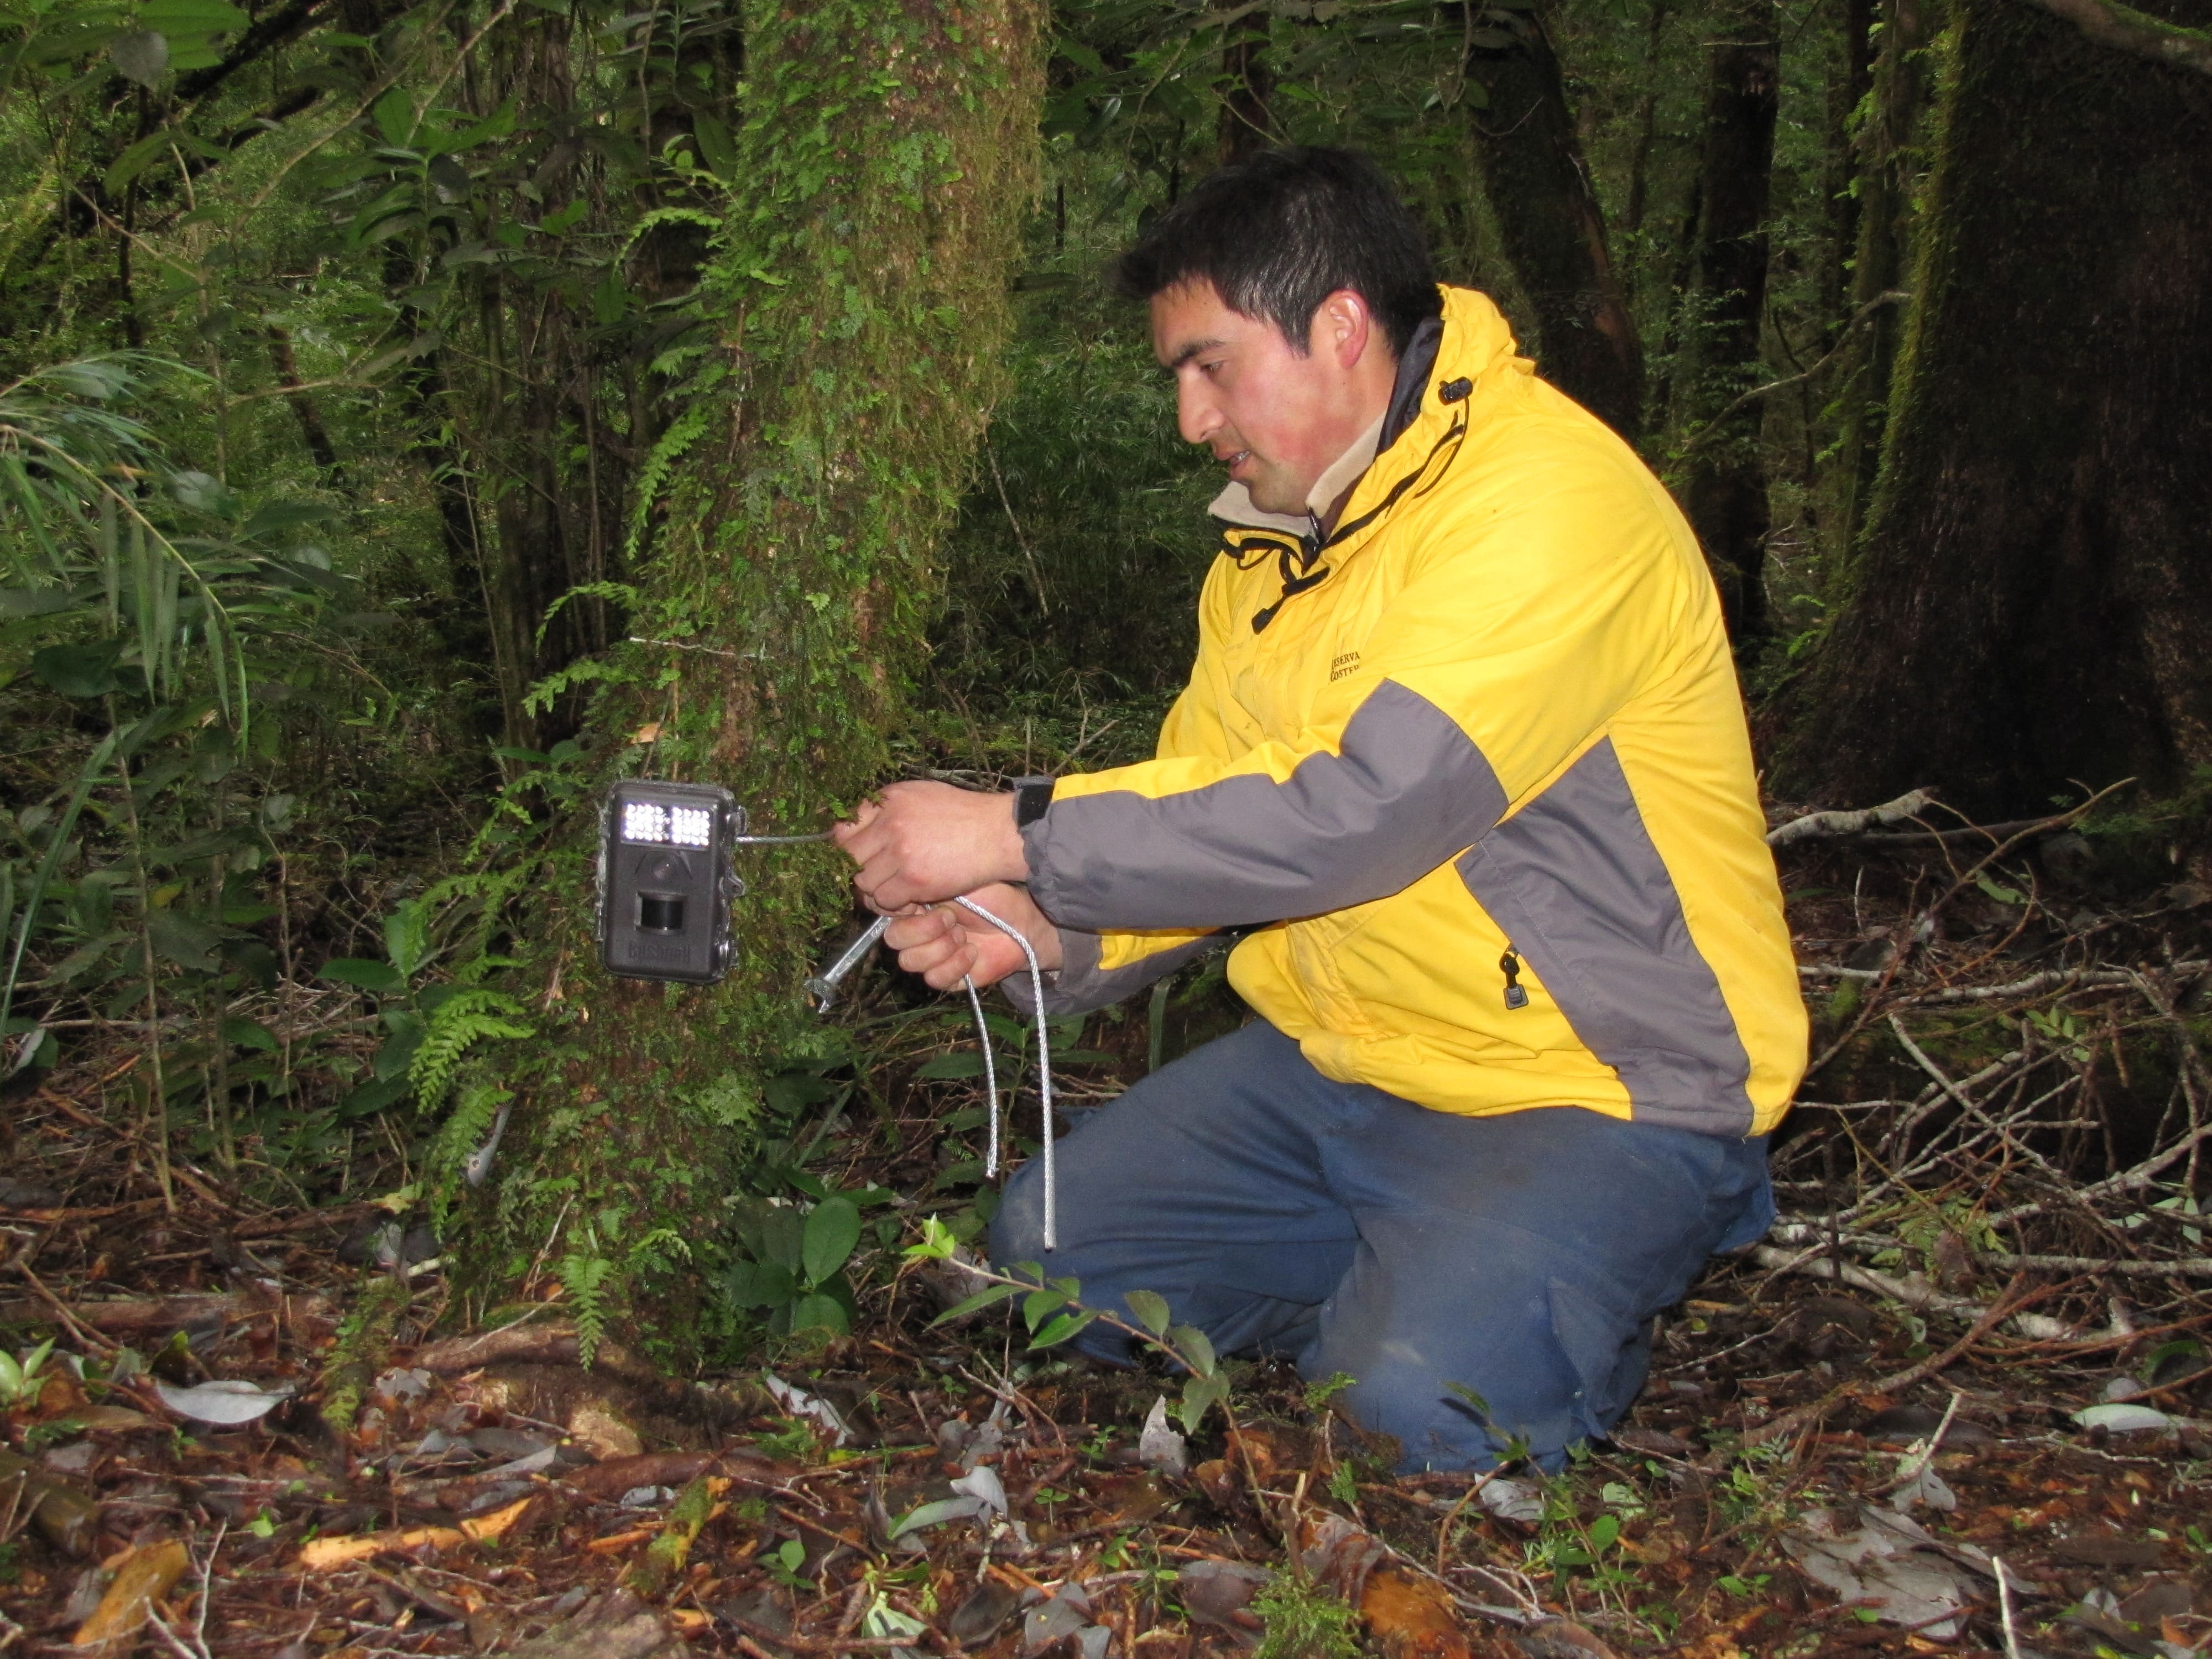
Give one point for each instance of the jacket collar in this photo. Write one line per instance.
(1408, 392)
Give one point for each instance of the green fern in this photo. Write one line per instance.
(457, 1137)
(584, 1278)
(461, 1020)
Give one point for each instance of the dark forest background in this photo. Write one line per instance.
(414, 415)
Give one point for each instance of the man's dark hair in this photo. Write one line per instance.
(1278, 233)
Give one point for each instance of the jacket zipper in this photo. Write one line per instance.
(1510, 965)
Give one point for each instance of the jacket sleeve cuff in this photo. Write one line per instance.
(1080, 985)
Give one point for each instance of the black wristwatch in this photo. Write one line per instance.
(1031, 797)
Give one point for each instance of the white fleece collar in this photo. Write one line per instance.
(1234, 504)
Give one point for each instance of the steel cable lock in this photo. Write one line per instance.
(667, 880)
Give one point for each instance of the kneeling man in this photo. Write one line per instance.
(1462, 767)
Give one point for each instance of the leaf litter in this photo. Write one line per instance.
(1896, 1426)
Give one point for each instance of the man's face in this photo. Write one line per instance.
(1278, 419)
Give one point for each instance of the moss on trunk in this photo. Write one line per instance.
(858, 276)
(1724, 479)
(2033, 595)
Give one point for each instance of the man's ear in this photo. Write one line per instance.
(1344, 327)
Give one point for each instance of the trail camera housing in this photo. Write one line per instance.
(665, 880)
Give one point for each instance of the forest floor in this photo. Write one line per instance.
(1864, 1436)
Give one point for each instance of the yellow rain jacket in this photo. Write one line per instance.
(1473, 771)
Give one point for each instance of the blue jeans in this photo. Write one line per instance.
(1519, 1257)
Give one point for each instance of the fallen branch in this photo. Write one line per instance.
(1826, 826)
(323, 1554)
(139, 1317)
(1804, 1416)
(2183, 1266)
(1913, 1292)
(2125, 29)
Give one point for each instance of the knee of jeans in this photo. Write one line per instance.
(1017, 1231)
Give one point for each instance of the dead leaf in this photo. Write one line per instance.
(610, 1479)
(1160, 1447)
(1217, 1592)
(1879, 1566)
(617, 1626)
(142, 1578)
(1410, 1617)
(113, 1419)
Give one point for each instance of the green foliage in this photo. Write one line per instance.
(584, 1276)
(21, 1375)
(793, 1269)
(458, 1021)
(1305, 1622)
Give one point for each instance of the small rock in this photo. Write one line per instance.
(603, 1432)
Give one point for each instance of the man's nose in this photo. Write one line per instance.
(1195, 411)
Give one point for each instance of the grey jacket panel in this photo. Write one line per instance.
(1579, 887)
(1081, 985)
(1407, 791)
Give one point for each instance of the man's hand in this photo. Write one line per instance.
(921, 843)
(944, 943)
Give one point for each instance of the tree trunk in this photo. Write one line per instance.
(1647, 121)
(1247, 125)
(860, 281)
(1887, 151)
(1724, 486)
(305, 409)
(1848, 80)
(1549, 219)
(2033, 594)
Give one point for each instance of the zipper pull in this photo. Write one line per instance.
(1510, 965)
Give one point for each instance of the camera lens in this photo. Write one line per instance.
(660, 913)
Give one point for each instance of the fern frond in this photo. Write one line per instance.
(457, 1137)
(462, 1019)
(584, 1278)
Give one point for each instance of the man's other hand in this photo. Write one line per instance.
(944, 943)
(921, 843)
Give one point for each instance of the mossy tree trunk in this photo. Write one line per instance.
(1850, 79)
(2032, 600)
(1550, 219)
(1724, 483)
(1887, 151)
(860, 278)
